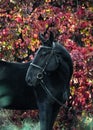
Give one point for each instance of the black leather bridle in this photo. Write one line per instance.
(41, 74)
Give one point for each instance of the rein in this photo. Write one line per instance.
(40, 76)
(44, 86)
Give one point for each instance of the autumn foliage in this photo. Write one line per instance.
(72, 24)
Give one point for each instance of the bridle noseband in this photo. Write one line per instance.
(40, 74)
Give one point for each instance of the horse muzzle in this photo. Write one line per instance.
(28, 81)
(35, 81)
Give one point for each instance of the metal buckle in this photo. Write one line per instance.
(40, 76)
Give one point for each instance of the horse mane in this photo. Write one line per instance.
(65, 55)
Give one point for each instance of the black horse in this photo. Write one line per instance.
(14, 91)
(50, 73)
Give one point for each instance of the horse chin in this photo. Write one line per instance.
(30, 84)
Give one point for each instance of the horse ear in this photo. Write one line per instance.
(42, 39)
(49, 41)
(51, 37)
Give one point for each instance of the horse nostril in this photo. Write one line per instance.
(28, 80)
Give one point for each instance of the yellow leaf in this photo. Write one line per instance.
(47, 0)
(72, 89)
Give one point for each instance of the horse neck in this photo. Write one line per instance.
(54, 80)
(60, 76)
(65, 57)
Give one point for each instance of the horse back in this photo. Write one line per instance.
(14, 91)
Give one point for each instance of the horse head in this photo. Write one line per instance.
(46, 60)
